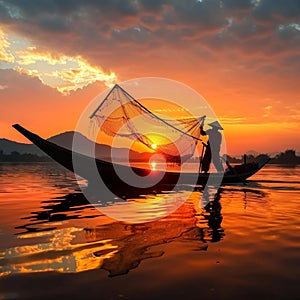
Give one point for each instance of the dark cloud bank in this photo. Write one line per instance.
(112, 32)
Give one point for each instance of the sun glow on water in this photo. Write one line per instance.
(153, 165)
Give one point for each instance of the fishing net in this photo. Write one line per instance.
(121, 115)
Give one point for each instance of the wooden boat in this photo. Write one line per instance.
(111, 179)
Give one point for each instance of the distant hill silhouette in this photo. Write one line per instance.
(8, 146)
(14, 151)
(86, 146)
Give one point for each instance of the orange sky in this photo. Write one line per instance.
(241, 56)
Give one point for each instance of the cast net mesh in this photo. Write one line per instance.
(121, 115)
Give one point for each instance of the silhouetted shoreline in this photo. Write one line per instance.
(11, 151)
(15, 156)
(288, 157)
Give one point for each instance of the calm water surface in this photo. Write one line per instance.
(54, 243)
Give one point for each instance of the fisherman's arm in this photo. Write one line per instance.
(202, 131)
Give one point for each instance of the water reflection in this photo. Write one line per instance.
(214, 218)
(70, 206)
(113, 246)
(56, 253)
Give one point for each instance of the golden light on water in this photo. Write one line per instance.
(64, 256)
(153, 165)
(114, 248)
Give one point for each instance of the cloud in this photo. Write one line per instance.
(5, 54)
(94, 23)
(65, 73)
(27, 101)
(82, 76)
(209, 38)
(31, 56)
(270, 10)
(113, 27)
(234, 120)
(267, 111)
(236, 53)
(68, 73)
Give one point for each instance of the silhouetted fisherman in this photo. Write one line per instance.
(212, 151)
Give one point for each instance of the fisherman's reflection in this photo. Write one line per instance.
(212, 214)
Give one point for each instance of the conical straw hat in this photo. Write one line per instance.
(216, 124)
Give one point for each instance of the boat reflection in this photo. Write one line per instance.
(68, 207)
(113, 246)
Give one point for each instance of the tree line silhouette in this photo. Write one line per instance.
(288, 157)
(15, 156)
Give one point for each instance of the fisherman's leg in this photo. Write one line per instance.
(206, 160)
(217, 162)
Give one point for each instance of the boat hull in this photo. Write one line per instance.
(110, 172)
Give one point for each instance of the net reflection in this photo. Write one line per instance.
(116, 247)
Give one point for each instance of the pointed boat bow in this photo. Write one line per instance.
(107, 170)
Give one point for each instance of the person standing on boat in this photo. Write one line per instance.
(212, 151)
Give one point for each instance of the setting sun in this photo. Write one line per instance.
(42, 59)
(140, 135)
